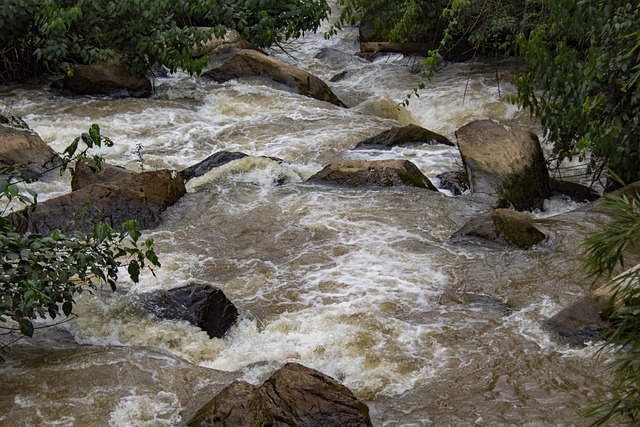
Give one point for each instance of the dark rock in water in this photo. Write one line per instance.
(250, 63)
(503, 226)
(142, 197)
(6, 118)
(577, 192)
(26, 151)
(215, 160)
(200, 304)
(338, 77)
(456, 182)
(377, 173)
(504, 163)
(87, 173)
(293, 396)
(581, 322)
(108, 78)
(410, 134)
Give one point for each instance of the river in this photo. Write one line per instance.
(363, 285)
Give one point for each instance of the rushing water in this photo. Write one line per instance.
(363, 285)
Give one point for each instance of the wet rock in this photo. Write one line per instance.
(580, 322)
(377, 173)
(215, 160)
(142, 197)
(503, 226)
(505, 163)
(293, 396)
(456, 182)
(386, 108)
(250, 63)
(201, 304)
(405, 135)
(25, 150)
(216, 45)
(108, 78)
(577, 192)
(87, 173)
(6, 118)
(341, 75)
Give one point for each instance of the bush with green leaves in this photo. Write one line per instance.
(581, 86)
(55, 34)
(41, 274)
(606, 254)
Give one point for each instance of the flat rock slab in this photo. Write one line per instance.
(251, 63)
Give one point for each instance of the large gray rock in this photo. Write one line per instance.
(142, 197)
(375, 173)
(581, 322)
(26, 151)
(201, 304)
(505, 163)
(405, 135)
(293, 396)
(109, 78)
(503, 226)
(251, 63)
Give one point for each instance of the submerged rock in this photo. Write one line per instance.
(106, 78)
(576, 192)
(410, 134)
(504, 163)
(26, 151)
(386, 108)
(503, 226)
(142, 197)
(249, 63)
(580, 322)
(293, 396)
(201, 304)
(213, 161)
(376, 173)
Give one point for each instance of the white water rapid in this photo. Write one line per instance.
(363, 285)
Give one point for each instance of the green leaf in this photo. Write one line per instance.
(134, 271)
(26, 327)
(67, 306)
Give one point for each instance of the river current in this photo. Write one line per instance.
(363, 285)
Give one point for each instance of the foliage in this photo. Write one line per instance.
(41, 274)
(55, 34)
(581, 83)
(606, 251)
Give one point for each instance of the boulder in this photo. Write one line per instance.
(405, 135)
(215, 45)
(386, 108)
(201, 304)
(142, 197)
(504, 226)
(577, 192)
(87, 173)
(580, 322)
(26, 151)
(215, 160)
(376, 173)
(106, 78)
(6, 118)
(505, 163)
(251, 63)
(293, 396)
(455, 181)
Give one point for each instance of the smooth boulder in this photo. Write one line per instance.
(26, 151)
(503, 226)
(213, 161)
(504, 163)
(375, 173)
(106, 78)
(406, 135)
(251, 63)
(293, 396)
(142, 197)
(201, 304)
